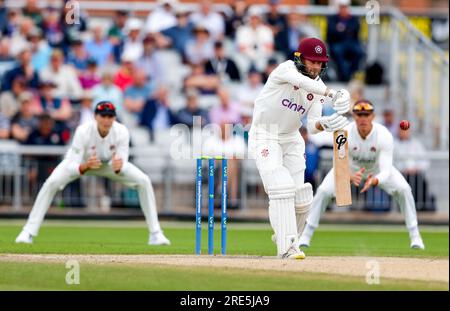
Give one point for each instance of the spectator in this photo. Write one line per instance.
(5, 55)
(179, 35)
(3, 17)
(151, 61)
(389, 121)
(58, 108)
(5, 126)
(162, 17)
(24, 69)
(298, 28)
(222, 66)
(86, 113)
(312, 156)
(19, 39)
(156, 114)
(90, 77)
(186, 115)
(12, 22)
(133, 42)
(124, 76)
(137, 93)
(40, 49)
(212, 21)
(117, 33)
(236, 19)
(9, 100)
(250, 89)
(242, 128)
(201, 48)
(100, 48)
(413, 164)
(48, 133)
(23, 123)
(63, 76)
(272, 63)
(356, 90)
(78, 56)
(255, 40)
(233, 148)
(198, 79)
(227, 112)
(7, 62)
(52, 28)
(107, 90)
(34, 12)
(343, 39)
(277, 22)
(72, 25)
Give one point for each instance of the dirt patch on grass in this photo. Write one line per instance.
(389, 267)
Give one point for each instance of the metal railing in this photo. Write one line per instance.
(23, 169)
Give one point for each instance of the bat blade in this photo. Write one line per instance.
(341, 168)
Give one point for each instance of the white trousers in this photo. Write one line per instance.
(130, 176)
(395, 185)
(270, 154)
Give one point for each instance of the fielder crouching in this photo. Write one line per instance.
(370, 148)
(99, 148)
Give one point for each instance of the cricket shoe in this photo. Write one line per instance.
(294, 252)
(417, 243)
(158, 238)
(24, 237)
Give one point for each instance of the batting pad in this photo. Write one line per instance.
(303, 197)
(303, 201)
(281, 205)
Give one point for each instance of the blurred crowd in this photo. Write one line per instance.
(53, 69)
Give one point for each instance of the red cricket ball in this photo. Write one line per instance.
(404, 125)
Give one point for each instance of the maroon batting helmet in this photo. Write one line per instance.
(312, 49)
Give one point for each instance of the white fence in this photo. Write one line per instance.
(24, 168)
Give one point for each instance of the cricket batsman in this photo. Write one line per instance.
(370, 154)
(294, 89)
(99, 148)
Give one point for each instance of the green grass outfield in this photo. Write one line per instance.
(124, 237)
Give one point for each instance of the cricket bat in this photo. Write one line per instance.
(341, 168)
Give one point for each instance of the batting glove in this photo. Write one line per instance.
(333, 123)
(341, 101)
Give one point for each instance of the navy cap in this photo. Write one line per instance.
(105, 108)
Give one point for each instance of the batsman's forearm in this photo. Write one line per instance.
(306, 83)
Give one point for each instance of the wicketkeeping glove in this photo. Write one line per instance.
(333, 123)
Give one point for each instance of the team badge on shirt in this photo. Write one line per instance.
(265, 153)
(310, 96)
(112, 147)
(373, 149)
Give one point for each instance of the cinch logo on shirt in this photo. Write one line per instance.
(293, 106)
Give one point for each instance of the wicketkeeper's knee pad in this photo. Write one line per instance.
(303, 198)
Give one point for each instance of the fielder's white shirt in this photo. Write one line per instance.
(283, 102)
(87, 140)
(374, 153)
